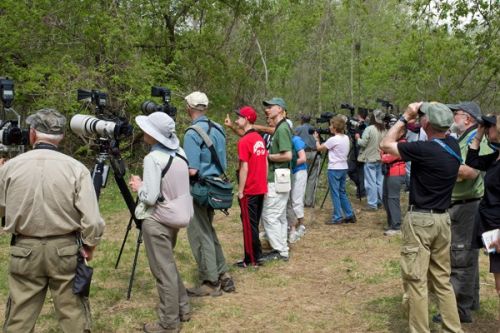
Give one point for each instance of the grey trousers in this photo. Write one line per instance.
(205, 245)
(464, 259)
(312, 178)
(391, 196)
(159, 241)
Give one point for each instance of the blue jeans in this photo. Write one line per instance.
(374, 180)
(340, 201)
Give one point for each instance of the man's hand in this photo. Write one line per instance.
(2, 161)
(135, 183)
(411, 112)
(496, 245)
(357, 136)
(87, 252)
(228, 121)
(316, 136)
(240, 195)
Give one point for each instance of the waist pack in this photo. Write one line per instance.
(214, 192)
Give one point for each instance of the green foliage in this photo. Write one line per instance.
(316, 54)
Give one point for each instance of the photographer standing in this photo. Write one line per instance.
(48, 201)
(338, 150)
(165, 191)
(426, 235)
(203, 240)
(489, 213)
(369, 154)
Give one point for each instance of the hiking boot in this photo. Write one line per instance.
(226, 282)
(271, 256)
(157, 328)
(392, 232)
(369, 209)
(351, 219)
(206, 289)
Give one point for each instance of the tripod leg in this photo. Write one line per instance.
(129, 226)
(132, 274)
(324, 198)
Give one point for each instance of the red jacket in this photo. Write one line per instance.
(397, 167)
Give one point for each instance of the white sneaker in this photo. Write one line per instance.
(392, 232)
(301, 230)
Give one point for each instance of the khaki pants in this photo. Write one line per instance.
(425, 258)
(35, 266)
(159, 241)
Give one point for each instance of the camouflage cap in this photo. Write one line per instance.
(47, 121)
(440, 116)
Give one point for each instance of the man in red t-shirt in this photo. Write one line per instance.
(252, 176)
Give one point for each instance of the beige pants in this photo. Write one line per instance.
(35, 266)
(425, 258)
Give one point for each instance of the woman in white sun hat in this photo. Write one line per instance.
(165, 204)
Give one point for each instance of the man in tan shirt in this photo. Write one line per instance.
(47, 199)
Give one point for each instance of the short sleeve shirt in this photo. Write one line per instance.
(433, 172)
(338, 151)
(252, 150)
(298, 145)
(280, 142)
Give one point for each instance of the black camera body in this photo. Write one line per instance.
(488, 121)
(347, 106)
(96, 97)
(107, 126)
(149, 107)
(11, 135)
(6, 91)
(386, 104)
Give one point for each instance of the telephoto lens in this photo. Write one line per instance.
(84, 125)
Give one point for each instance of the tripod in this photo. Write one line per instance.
(110, 151)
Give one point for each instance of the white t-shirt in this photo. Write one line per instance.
(338, 150)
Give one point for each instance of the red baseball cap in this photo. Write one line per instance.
(248, 113)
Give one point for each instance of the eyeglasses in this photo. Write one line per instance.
(459, 113)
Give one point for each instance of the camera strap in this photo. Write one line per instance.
(449, 150)
(164, 172)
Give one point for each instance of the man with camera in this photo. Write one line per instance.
(426, 235)
(203, 240)
(467, 193)
(49, 205)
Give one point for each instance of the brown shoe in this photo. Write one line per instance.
(157, 328)
(206, 289)
(227, 283)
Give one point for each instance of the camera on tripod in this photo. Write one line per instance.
(323, 118)
(386, 104)
(106, 126)
(149, 107)
(11, 135)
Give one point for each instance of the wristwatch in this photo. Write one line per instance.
(403, 120)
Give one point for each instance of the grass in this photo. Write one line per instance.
(339, 279)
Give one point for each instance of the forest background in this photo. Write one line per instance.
(314, 54)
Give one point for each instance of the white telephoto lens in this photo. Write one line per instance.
(84, 125)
